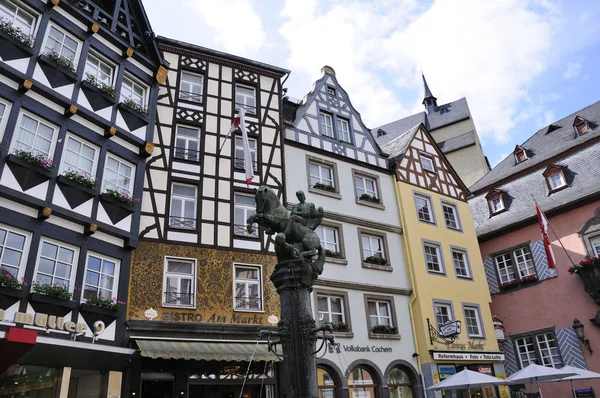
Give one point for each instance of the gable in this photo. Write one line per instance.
(442, 180)
(329, 100)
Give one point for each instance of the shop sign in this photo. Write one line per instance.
(585, 393)
(336, 348)
(471, 345)
(484, 369)
(212, 317)
(450, 329)
(467, 356)
(46, 321)
(446, 371)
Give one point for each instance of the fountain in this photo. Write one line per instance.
(300, 260)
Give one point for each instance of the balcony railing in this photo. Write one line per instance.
(248, 303)
(182, 222)
(187, 154)
(190, 96)
(238, 163)
(240, 229)
(176, 298)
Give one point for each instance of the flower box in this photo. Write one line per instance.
(368, 198)
(56, 74)
(375, 260)
(97, 98)
(9, 296)
(74, 192)
(340, 327)
(12, 48)
(27, 174)
(324, 187)
(519, 282)
(332, 254)
(132, 117)
(92, 313)
(50, 305)
(116, 209)
(384, 329)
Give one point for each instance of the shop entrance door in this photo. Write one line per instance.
(231, 391)
(157, 389)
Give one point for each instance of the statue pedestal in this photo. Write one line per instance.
(292, 278)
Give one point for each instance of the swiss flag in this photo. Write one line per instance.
(239, 122)
(543, 222)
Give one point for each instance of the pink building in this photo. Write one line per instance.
(559, 167)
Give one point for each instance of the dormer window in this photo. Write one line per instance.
(581, 126)
(381, 133)
(495, 201)
(520, 154)
(555, 177)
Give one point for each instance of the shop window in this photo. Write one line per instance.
(326, 384)
(29, 381)
(399, 384)
(361, 383)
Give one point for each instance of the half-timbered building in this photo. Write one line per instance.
(364, 289)
(76, 82)
(200, 288)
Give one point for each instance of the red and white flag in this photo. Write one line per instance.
(239, 122)
(544, 230)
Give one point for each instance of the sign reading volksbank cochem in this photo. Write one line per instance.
(336, 348)
(466, 356)
(46, 321)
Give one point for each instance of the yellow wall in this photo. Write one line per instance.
(427, 286)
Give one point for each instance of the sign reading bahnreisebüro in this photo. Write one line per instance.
(466, 356)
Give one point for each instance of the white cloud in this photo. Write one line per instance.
(573, 69)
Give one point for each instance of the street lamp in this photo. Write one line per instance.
(578, 328)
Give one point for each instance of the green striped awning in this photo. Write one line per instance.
(225, 351)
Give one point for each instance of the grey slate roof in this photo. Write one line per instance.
(543, 145)
(449, 113)
(456, 143)
(397, 147)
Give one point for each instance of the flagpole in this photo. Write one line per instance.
(228, 135)
(554, 232)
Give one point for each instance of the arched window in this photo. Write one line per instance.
(399, 384)
(326, 384)
(361, 384)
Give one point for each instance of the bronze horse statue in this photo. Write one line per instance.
(294, 239)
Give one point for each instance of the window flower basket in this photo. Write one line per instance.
(29, 170)
(98, 94)
(331, 253)
(589, 272)
(14, 44)
(384, 329)
(11, 289)
(76, 188)
(324, 187)
(81, 178)
(101, 309)
(134, 113)
(51, 299)
(59, 70)
(368, 198)
(518, 282)
(376, 260)
(340, 327)
(118, 205)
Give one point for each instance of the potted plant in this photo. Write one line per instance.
(135, 113)
(11, 289)
(384, 329)
(51, 299)
(30, 169)
(101, 309)
(59, 70)
(14, 43)
(118, 204)
(376, 260)
(324, 187)
(369, 198)
(99, 94)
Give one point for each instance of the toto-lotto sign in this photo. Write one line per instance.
(450, 329)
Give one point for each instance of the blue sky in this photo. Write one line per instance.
(521, 64)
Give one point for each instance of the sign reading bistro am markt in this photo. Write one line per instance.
(466, 356)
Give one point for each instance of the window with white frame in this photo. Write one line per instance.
(329, 237)
(556, 180)
(17, 16)
(245, 96)
(331, 309)
(179, 282)
(321, 176)
(187, 143)
(372, 248)
(99, 71)
(247, 286)
(183, 206)
(427, 163)
(343, 130)
(366, 188)
(34, 135)
(118, 175)
(239, 153)
(13, 256)
(134, 91)
(496, 203)
(2, 109)
(190, 87)
(433, 257)
(326, 121)
(79, 157)
(101, 277)
(461, 263)
(451, 215)
(595, 242)
(380, 313)
(55, 264)
(424, 208)
(61, 42)
(538, 348)
(515, 264)
(473, 321)
(443, 313)
(244, 207)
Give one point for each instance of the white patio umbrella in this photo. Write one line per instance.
(467, 379)
(534, 374)
(582, 374)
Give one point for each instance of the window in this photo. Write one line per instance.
(451, 216)
(461, 263)
(331, 309)
(443, 313)
(326, 124)
(134, 91)
(372, 248)
(187, 143)
(556, 180)
(520, 155)
(473, 321)
(118, 175)
(325, 383)
(399, 384)
(247, 288)
(34, 136)
(239, 153)
(515, 264)
(101, 278)
(183, 206)
(12, 251)
(329, 237)
(366, 188)
(179, 282)
(538, 348)
(595, 242)
(424, 208)
(321, 176)
(61, 42)
(379, 313)
(581, 126)
(246, 97)
(361, 384)
(331, 91)
(55, 264)
(190, 88)
(100, 70)
(343, 130)
(17, 16)
(433, 257)
(245, 206)
(427, 163)
(496, 204)
(79, 156)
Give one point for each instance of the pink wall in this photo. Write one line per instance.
(554, 302)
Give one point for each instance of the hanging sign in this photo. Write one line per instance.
(450, 329)
(585, 393)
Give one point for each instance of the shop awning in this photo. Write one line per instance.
(218, 351)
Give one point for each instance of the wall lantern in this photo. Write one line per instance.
(578, 328)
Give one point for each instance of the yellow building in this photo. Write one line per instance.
(450, 309)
